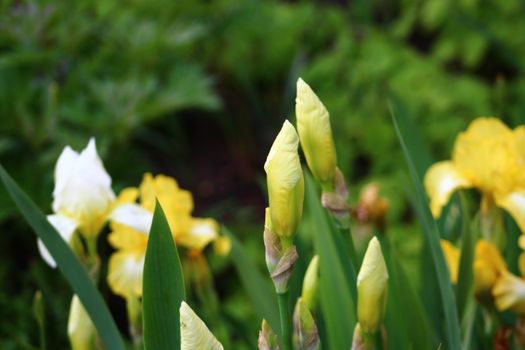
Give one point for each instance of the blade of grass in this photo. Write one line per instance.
(465, 273)
(432, 236)
(67, 263)
(163, 287)
(406, 322)
(258, 287)
(337, 287)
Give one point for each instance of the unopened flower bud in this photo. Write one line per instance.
(285, 183)
(193, 332)
(313, 124)
(279, 259)
(305, 329)
(358, 341)
(311, 284)
(80, 328)
(372, 289)
(336, 200)
(267, 338)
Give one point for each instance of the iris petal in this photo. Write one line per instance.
(441, 180)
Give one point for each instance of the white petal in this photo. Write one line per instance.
(194, 335)
(44, 253)
(63, 224)
(63, 168)
(133, 215)
(82, 186)
(65, 227)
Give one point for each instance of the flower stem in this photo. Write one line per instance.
(286, 321)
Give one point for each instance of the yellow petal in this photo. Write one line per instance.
(521, 264)
(372, 289)
(514, 203)
(201, 233)
(125, 273)
(194, 335)
(127, 195)
(488, 156)
(452, 256)
(167, 191)
(222, 245)
(176, 203)
(126, 237)
(441, 180)
(313, 125)
(488, 266)
(509, 293)
(521, 241)
(285, 182)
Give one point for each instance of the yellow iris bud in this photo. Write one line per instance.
(285, 182)
(372, 289)
(311, 284)
(313, 124)
(80, 328)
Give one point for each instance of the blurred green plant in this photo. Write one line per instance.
(147, 78)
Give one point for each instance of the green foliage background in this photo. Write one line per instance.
(198, 90)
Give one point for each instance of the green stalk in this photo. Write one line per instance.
(286, 321)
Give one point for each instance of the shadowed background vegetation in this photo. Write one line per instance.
(198, 91)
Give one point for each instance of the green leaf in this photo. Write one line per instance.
(337, 285)
(67, 263)
(432, 236)
(406, 320)
(465, 273)
(258, 287)
(163, 287)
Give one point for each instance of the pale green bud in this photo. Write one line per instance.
(313, 124)
(193, 332)
(358, 341)
(372, 289)
(267, 338)
(311, 284)
(80, 329)
(285, 183)
(305, 329)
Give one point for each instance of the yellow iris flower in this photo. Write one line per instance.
(131, 222)
(509, 290)
(488, 156)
